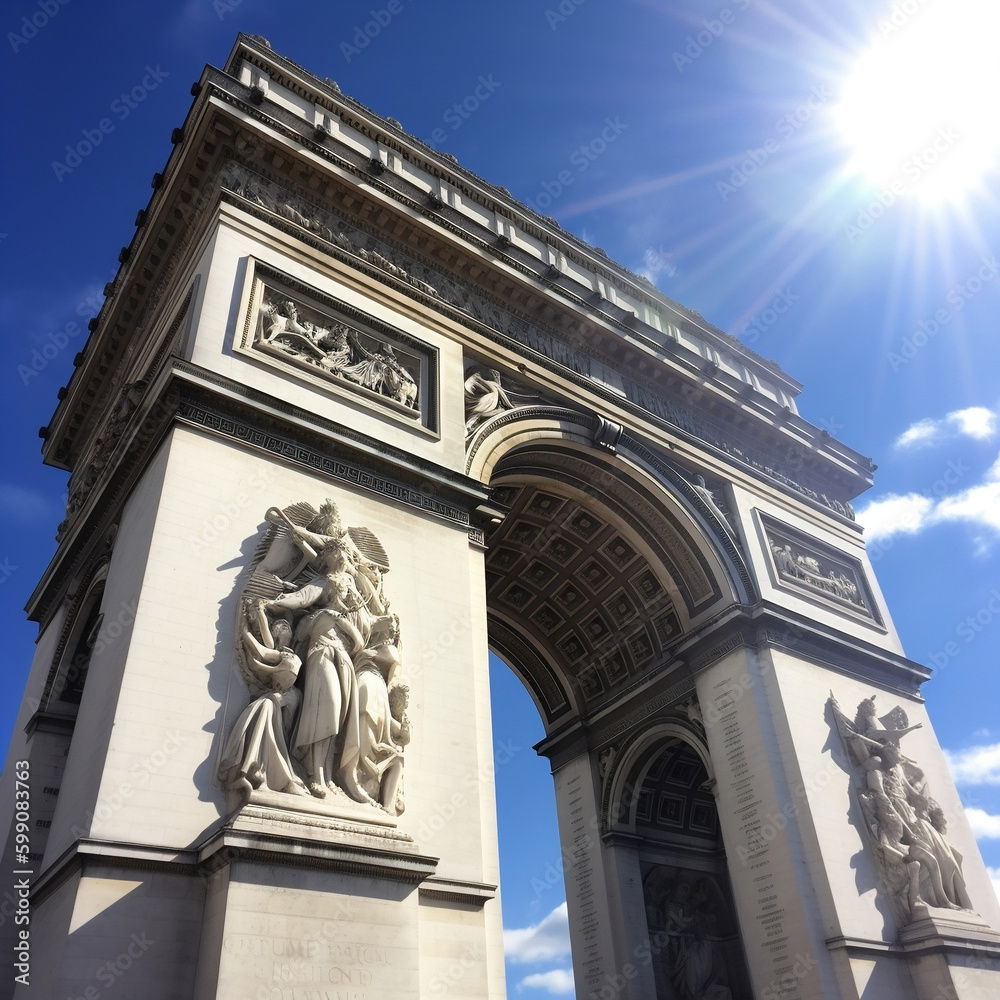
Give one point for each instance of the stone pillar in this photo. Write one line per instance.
(632, 943)
(780, 922)
(591, 921)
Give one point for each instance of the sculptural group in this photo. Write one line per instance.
(906, 827)
(320, 650)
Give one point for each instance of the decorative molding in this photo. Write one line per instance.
(666, 699)
(453, 891)
(208, 417)
(109, 438)
(722, 532)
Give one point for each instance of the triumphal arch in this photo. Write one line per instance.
(349, 418)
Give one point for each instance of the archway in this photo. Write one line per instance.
(600, 573)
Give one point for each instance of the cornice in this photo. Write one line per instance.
(326, 93)
(191, 185)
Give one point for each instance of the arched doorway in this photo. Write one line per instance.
(662, 808)
(600, 573)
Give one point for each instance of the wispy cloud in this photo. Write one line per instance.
(558, 981)
(542, 942)
(976, 422)
(976, 765)
(984, 825)
(656, 262)
(910, 513)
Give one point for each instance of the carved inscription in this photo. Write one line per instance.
(754, 850)
(582, 875)
(310, 969)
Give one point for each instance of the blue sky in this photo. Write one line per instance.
(737, 153)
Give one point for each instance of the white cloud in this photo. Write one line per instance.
(984, 826)
(974, 421)
(977, 765)
(922, 432)
(555, 981)
(977, 506)
(895, 514)
(542, 942)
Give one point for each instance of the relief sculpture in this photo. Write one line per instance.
(291, 330)
(689, 921)
(320, 652)
(905, 826)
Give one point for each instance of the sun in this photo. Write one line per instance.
(918, 108)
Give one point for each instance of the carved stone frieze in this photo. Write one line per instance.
(567, 347)
(319, 649)
(328, 226)
(690, 922)
(485, 397)
(295, 332)
(905, 828)
(803, 564)
(488, 393)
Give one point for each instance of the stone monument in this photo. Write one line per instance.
(349, 418)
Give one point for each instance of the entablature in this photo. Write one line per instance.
(590, 321)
